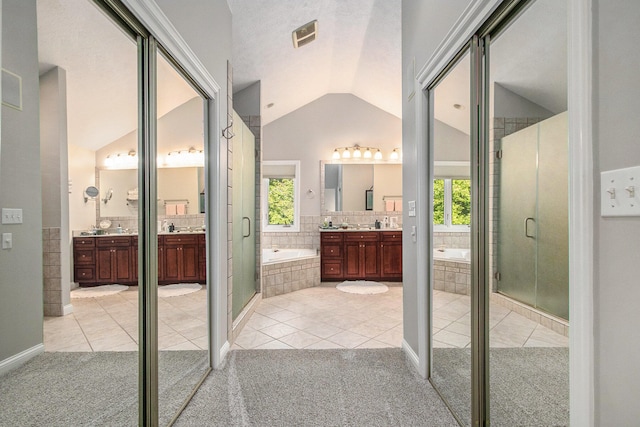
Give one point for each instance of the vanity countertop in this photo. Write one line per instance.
(81, 233)
(349, 229)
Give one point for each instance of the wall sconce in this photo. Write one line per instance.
(122, 160)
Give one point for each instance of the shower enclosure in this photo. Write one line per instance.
(532, 216)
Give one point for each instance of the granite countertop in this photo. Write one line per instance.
(81, 233)
(334, 229)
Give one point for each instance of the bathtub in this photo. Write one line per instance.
(269, 256)
(452, 270)
(458, 255)
(289, 270)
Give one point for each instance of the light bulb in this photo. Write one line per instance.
(378, 155)
(356, 153)
(346, 153)
(367, 154)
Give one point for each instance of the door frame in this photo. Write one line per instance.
(581, 192)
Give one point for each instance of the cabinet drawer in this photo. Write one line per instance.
(331, 237)
(391, 236)
(181, 239)
(84, 256)
(331, 250)
(84, 242)
(355, 236)
(332, 268)
(84, 274)
(113, 241)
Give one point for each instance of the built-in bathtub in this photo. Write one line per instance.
(452, 270)
(288, 270)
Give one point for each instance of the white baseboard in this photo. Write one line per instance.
(23, 357)
(67, 309)
(411, 355)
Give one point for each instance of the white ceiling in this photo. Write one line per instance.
(101, 65)
(357, 51)
(529, 58)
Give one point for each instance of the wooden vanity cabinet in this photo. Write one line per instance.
(84, 260)
(331, 254)
(180, 259)
(202, 258)
(113, 260)
(361, 255)
(391, 255)
(356, 255)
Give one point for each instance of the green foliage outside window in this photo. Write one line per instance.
(461, 202)
(438, 201)
(281, 203)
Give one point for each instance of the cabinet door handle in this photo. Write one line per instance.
(526, 228)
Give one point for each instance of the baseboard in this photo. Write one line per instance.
(224, 350)
(67, 309)
(23, 357)
(411, 355)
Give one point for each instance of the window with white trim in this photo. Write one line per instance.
(451, 204)
(281, 196)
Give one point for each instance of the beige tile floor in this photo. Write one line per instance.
(110, 323)
(314, 318)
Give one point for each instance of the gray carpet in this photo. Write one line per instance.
(528, 386)
(93, 389)
(373, 387)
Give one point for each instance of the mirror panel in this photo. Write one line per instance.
(345, 186)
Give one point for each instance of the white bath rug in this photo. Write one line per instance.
(98, 291)
(363, 287)
(178, 289)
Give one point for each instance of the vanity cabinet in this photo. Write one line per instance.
(113, 260)
(391, 255)
(100, 260)
(331, 255)
(180, 258)
(361, 255)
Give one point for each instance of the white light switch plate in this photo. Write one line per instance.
(11, 216)
(412, 208)
(620, 192)
(7, 240)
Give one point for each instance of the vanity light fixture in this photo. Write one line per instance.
(184, 158)
(378, 155)
(346, 154)
(359, 152)
(394, 154)
(336, 154)
(122, 160)
(367, 153)
(356, 152)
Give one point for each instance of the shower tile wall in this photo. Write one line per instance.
(52, 274)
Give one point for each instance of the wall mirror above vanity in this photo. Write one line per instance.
(354, 187)
(181, 188)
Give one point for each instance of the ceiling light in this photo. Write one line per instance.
(305, 34)
(336, 154)
(378, 155)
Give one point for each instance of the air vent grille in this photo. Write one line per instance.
(305, 34)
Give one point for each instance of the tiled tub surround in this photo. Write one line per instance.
(290, 275)
(455, 240)
(452, 276)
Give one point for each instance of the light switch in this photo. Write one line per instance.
(7, 241)
(412, 208)
(11, 216)
(620, 192)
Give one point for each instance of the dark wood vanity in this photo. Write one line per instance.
(101, 260)
(361, 255)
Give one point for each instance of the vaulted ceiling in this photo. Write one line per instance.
(357, 51)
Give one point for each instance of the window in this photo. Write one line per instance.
(451, 204)
(280, 196)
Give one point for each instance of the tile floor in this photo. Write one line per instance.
(314, 318)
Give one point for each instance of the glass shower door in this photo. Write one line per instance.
(517, 215)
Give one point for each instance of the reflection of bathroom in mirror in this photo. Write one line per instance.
(346, 185)
(182, 186)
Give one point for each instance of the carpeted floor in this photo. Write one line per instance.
(365, 387)
(529, 386)
(93, 389)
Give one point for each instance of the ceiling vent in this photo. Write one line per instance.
(305, 34)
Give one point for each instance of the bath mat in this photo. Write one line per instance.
(98, 291)
(362, 287)
(178, 289)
